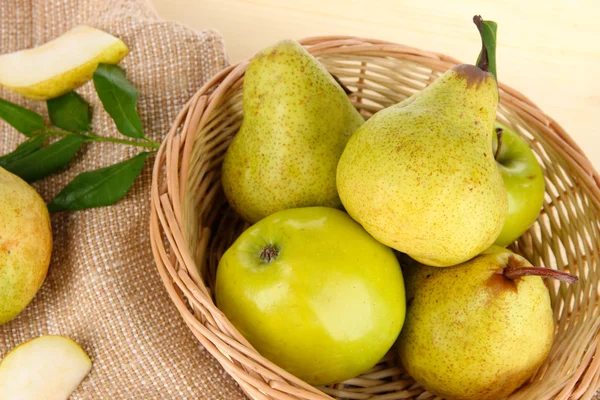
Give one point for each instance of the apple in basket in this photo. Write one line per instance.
(313, 292)
(524, 180)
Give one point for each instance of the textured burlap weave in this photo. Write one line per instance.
(103, 289)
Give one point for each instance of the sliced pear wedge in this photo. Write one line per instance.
(48, 367)
(61, 65)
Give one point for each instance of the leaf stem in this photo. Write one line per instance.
(92, 137)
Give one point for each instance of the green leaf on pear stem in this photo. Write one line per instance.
(70, 112)
(46, 160)
(20, 118)
(488, 31)
(24, 149)
(119, 98)
(101, 187)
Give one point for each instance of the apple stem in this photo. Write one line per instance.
(512, 273)
(499, 134)
(482, 63)
(269, 253)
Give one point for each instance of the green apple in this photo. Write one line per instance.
(313, 292)
(524, 181)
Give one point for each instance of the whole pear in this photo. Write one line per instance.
(297, 120)
(474, 331)
(25, 244)
(421, 176)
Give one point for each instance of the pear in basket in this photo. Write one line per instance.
(421, 177)
(297, 120)
(479, 330)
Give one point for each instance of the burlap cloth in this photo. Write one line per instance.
(103, 289)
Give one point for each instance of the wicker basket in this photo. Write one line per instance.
(191, 224)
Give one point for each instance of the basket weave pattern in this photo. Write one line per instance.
(191, 224)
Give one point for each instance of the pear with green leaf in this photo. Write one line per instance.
(297, 120)
(421, 176)
(25, 244)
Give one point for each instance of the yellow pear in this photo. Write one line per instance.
(421, 176)
(478, 330)
(297, 120)
(60, 65)
(25, 244)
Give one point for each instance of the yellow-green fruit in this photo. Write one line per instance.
(524, 181)
(471, 333)
(61, 65)
(297, 120)
(45, 368)
(313, 293)
(421, 177)
(25, 244)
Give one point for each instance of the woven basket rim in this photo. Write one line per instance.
(176, 264)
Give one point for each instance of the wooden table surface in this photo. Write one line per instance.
(549, 50)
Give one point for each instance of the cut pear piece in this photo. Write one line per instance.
(48, 367)
(61, 65)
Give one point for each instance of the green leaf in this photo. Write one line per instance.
(101, 187)
(46, 160)
(488, 31)
(22, 119)
(119, 99)
(24, 149)
(69, 112)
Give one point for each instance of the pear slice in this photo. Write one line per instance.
(61, 65)
(48, 367)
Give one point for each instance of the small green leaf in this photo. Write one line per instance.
(488, 31)
(24, 149)
(46, 160)
(101, 187)
(119, 99)
(22, 119)
(70, 112)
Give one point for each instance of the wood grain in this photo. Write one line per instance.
(548, 50)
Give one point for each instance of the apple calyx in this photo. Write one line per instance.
(499, 134)
(269, 253)
(483, 62)
(515, 270)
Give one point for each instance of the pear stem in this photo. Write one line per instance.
(269, 253)
(483, 63)
(512, 273)
(339, 82)
(499, 134)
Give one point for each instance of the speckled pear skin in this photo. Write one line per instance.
(420, 176)
(472, 334)
(25, 244)
(297, 120)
